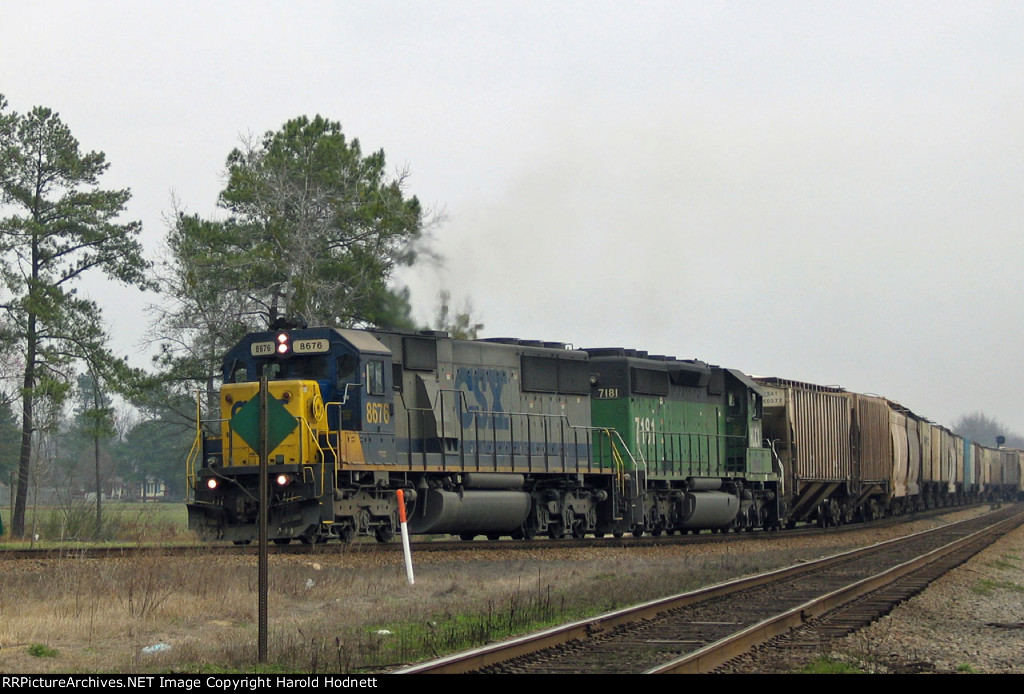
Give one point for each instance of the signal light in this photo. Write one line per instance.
(282, 480)
(211, 483)
(283, 343)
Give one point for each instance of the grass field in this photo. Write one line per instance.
(337, 612)
(121, 522)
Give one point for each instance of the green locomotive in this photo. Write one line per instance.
(693, 432)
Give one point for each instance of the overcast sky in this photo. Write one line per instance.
(823, 191)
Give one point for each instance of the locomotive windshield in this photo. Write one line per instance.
(312, 368)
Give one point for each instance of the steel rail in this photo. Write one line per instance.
(708, 656)
(722, 651)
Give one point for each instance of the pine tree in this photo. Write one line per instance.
(314, 231)
(59, 225)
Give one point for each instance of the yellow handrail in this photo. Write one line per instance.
(316, 442)
(618, 461)
(194, 453)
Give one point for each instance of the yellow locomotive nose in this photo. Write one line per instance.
(296, 419)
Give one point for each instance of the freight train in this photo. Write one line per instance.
(510, 437)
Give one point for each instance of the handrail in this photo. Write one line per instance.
(327, 435)
(337, 432)
(700, 446)
(316, 442)
(618, 462)
(567, 434)
(194, 453)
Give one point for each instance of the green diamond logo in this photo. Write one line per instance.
(280, 423)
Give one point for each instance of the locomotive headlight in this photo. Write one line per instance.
(211, 483)
(283, 343)
(282, 480)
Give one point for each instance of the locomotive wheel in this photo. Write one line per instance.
(241, 542)
(363, 520)
(753, 519)
(654, 523)
(638, 532)
(384, 533)
(529, 532)
(576, 526)
(493, 536)
(282, 540)
(556, 531)
(311, 535)
(466, 537)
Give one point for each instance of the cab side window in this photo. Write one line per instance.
(375, 377)
(346, 368)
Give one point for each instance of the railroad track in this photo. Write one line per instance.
(703, 630)
(99, 551)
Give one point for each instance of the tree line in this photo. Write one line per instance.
(309, 227)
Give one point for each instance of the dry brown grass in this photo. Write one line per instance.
(328, 611)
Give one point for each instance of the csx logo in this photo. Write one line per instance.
(377, 413)
(485, 387)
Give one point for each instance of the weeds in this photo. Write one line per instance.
(987, 586)
(146, 586)
(38, 650)
(390, 643)
(824, 665)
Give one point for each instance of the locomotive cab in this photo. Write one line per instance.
(350, 369)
